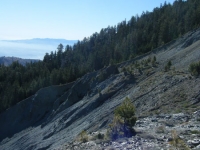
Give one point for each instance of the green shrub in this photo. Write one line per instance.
(149, 60)
(100, 136)
(194, 68)
(153, 62)
(195, 132)
(126, 111)
(168, 66)
(124, 120)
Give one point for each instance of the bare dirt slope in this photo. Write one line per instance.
(55, 115)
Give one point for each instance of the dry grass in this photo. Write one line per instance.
(177, 142)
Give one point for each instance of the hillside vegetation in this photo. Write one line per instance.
(111, 45)
(103, 105)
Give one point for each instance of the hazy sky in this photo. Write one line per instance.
(68, 19)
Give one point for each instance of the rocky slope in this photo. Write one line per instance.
(153, 133)
(167, 104)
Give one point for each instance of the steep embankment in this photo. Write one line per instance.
(56, 115)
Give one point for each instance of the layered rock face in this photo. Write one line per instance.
(164, 101)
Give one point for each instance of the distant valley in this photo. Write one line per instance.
(31, 48)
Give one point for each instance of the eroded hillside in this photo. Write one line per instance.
(55, 115)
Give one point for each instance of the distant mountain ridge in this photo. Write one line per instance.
(9, 60)
(31, 48)
(44, 41)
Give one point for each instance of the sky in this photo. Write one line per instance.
(66, 19)
(30, 49)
